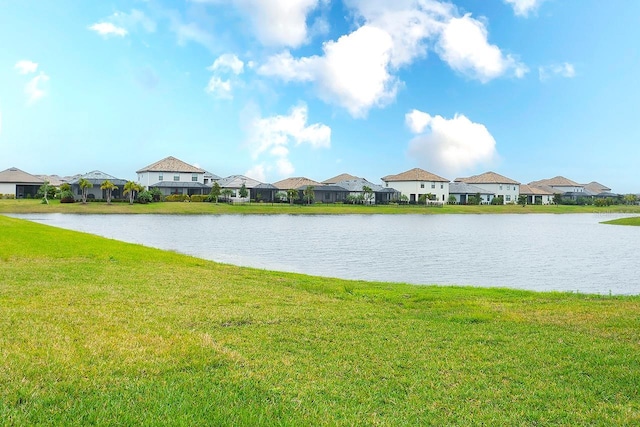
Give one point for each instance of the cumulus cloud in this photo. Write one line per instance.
(449, 145)
(359, 70)
(219, 88)
(464, 46)
(35, 88)
(26, 67)
(257, 172)
(352, 73)
(524, 7)
(276, 22)
(107, 29)
(227, 62)
(274, 137)
(566, 70)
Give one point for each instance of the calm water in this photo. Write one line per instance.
(537, 252)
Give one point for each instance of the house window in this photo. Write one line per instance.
(327, 196)
(386, 184)
(422, 185)
(194, 177)
(206, 180)
(176, 177)
(160, 177)
(433, 185)
(501, 186)
(441, 186)
(508, 198)
(508, 187)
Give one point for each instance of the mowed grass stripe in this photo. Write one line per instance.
(95, 331)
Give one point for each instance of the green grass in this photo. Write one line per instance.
(625, 221)
(34, 206)
(95, 331)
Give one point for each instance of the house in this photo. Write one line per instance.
(495, 184)
(256, 190)
(173, 176)
(462, 191)
(97, 178)
(209, 178)
(416, 182)
(381, 195)
(325, 193)
(19, 184)
(570, 189)
(339, 178)
(541, 195)
(295, 183)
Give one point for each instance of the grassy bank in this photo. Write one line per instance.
(94, 331)
(34, 206)
(625, 221)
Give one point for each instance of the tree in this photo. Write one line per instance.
(630, 199)
(522, 199)
(108, 186)
(65, 186)
(423, 199)
(452, 199)
(85, 185)
(292, 194)
(367, 193)
(244, 193)
(557, 198)
(131, 188)
(227, 193)
(309, 194)
(215, 192)
(46, 191)
(281, 196)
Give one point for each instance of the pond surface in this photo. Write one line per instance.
(536, 252)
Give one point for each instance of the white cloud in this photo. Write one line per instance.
(133, 19)
(275, 136)
(464, 46)
(352, 73)
(106, 29)
(257, 172)
(524, 7)
(219, 88)
(227, 62)
(26, 67)
(566, 70)
(35, 88)
(450, 145)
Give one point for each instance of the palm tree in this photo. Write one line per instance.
(367, 193)
(227, 193)
(215, 191)
(131, 188)
(85, 185)
(292, 194)
(309, 194)
(109, 187)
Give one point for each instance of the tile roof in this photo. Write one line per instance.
(415, 174)
(18, 176)
(596, 187)
(341, 177)
(98, 177)
(558, 181)
(464, 188)
(355, 185)
(295, 182)
(538, 191)
(55, 180)
(171, 164)
(487, 178)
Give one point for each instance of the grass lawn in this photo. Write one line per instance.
(34, 206)
(625, 221)
(95, 331)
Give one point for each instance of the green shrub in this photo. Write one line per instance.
(144, 197)
(177, 198)
(198, 197)
(66, 197)
(157, 195)
(499, 200)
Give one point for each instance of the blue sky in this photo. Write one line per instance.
(530, 89)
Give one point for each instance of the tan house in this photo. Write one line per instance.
(542, 195)
(173, 176)
(496, 184)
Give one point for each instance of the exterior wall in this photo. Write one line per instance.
(509, 192)
(149, 178)
(7, 188)
(417, 188)
(569, 189)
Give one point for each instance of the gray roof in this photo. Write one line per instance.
(322, 188)
(266, 187)
(98, 177)
(355, 185)
(464, 188)
(210, 175)
(236, 181)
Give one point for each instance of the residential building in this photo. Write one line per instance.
(97, 178)
(568, 187)
(462, 191)
(325, 193)
(339, 178)
(416, 182)
(173, 176)
(381, 195)
(256, 190)
(541, 195)
(19, 184)
(495, 184)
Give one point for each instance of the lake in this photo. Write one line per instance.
(570, 252)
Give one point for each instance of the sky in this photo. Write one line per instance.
(530, 89)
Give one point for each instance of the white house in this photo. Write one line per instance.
(97, 178)
(495, 184)
(461, 192)
(416, 182)
(256, 190)
(19, 184)
(560, 183)
(173, 176)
